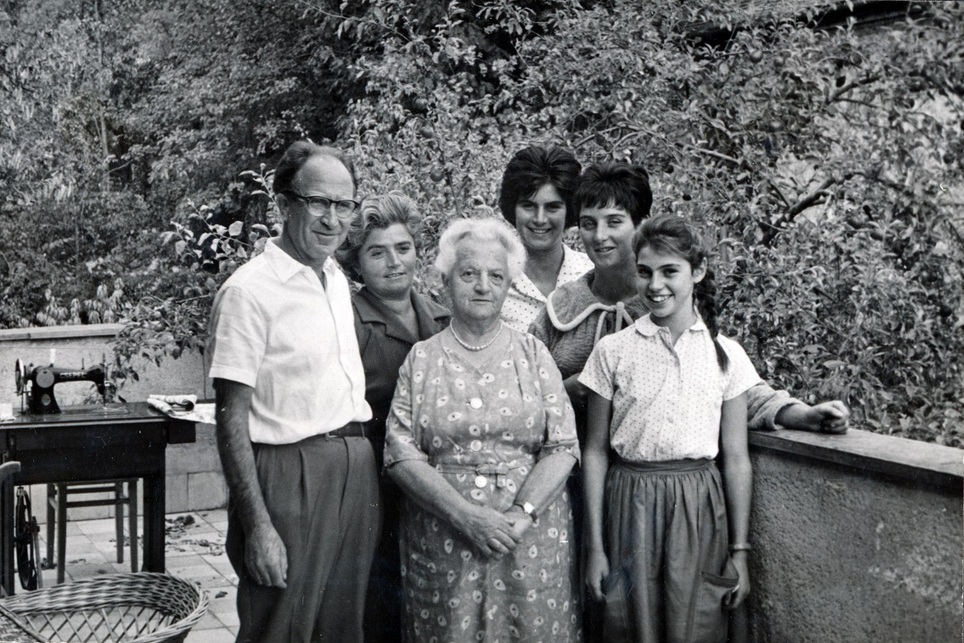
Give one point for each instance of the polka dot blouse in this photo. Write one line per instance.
(667, 399)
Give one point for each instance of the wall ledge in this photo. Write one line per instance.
(41, 333)
(921, 462)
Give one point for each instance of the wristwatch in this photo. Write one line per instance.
(528, 508)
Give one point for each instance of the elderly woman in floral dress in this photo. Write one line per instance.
(481, 439)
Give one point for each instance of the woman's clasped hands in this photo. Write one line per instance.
(493, 533)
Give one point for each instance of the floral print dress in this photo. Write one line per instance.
(483, 428)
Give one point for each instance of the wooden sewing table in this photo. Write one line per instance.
(86, 443)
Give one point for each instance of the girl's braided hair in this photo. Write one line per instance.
(672, 235)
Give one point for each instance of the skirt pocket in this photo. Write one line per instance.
(617, 623)
(709, 616)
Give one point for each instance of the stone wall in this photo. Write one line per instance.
(857, 537)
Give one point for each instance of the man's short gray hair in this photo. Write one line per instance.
(486, 229)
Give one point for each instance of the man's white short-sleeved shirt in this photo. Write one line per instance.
(525, 301)
(667, 399)
(275, 328)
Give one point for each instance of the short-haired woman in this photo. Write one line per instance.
(610, 201)
(536, 198)
(381, 252)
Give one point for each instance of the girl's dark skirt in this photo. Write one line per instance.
(667, 543)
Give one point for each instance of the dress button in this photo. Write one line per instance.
(475, 403)
(481, 482)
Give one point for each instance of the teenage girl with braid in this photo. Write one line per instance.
(666, 540)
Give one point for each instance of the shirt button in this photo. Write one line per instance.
(475, 403)
(481, 482)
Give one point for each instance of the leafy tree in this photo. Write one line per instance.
(117, 117)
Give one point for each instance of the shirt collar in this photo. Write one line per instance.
(646, 327)
(524, 285)
(568, 271)
(571, 266)
(431, 316)
(286, 266)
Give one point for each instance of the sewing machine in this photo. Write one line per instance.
(42, 379)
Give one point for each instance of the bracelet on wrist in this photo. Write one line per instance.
(735, 547)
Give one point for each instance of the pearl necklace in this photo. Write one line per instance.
(470, 347)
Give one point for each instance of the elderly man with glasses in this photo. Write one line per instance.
(290, 387)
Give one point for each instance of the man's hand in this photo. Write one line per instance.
(266, 558)
(827, 417)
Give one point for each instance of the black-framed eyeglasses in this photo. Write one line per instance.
(319, 205)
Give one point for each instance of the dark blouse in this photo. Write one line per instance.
(384, 343)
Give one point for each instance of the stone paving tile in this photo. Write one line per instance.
(209, 622)
(225, 609)
(80, 545)
(101, 526)
(89, 571)
(187, 559)
(222, 635)
(229, 619)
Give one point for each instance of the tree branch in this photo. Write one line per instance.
(813, 198)
(807, 201)
(776, 188)
(851, 85)
(718, 155)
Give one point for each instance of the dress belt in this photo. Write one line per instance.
(482, 471)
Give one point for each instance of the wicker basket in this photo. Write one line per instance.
(133, 608)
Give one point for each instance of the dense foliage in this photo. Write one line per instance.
(826, 162)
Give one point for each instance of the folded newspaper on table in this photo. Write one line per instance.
(183, 407)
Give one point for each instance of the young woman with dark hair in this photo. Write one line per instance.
(536, 198)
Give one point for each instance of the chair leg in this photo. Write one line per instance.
(132, 496)
(51, 521)
(61, 530)
(119, 519)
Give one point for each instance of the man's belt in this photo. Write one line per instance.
(350, 430)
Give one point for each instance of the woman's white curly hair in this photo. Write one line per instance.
(484, 229)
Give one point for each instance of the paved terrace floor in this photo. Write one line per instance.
(194, 545)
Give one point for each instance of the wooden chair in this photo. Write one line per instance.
(58, 502)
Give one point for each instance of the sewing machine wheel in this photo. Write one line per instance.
(20, 373)
(25, 542)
